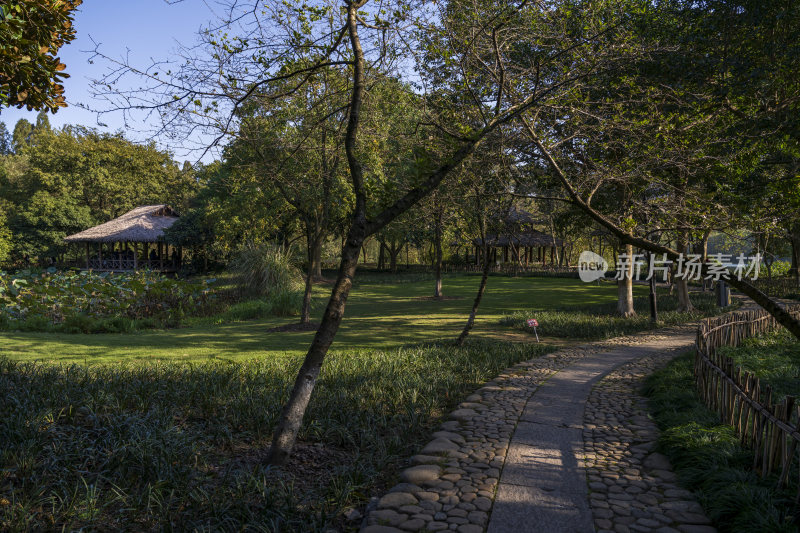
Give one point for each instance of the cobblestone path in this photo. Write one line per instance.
(557, 443)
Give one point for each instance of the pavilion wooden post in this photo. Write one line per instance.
(161, 256)
(135, 255)
(87, 255)
(552, 256)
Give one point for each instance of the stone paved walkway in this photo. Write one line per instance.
(512, 457)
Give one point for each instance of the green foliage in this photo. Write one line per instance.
(146, 446)
(31, 33)
(602, 321)
(774, 358)
(709, 459)
(6, 146)
(39, 228)
(88, 303)
(779, 268)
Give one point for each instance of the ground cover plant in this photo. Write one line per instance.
(71, 301)
(774, 358)
(709, 459)
(601, 321)
(180, 446)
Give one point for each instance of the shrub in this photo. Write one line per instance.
(261, 269)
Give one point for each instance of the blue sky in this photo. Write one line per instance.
(148, 28)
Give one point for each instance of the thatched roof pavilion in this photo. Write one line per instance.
(527, 238)
(520, 242)
(123, 236)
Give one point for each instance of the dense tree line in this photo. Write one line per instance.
(54, 182)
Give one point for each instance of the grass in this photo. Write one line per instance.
(599, 321)
(709, 460)
(774, 358)
(168, 429)
(379, 316)
(170, 445)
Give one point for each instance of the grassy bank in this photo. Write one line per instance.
(600, 321)
(709, 460)
(171, 445)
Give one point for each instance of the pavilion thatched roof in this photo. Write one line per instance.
(529, 237)
(143, 224)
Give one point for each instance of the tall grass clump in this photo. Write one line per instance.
(709, 459)
(268, 272)
(176, 446)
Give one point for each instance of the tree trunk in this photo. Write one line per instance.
(394, 251)
(305, 314)
(437, 291)
(381, 255)
(292, 415)
(285, 434)
(478, 297)
(704, 252)
(625, 285)
(316, 257)
(794, 239)
(313, 248)
(681, 282)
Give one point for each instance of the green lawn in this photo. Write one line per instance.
(379, 315)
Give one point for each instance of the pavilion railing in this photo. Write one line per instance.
(119, 264)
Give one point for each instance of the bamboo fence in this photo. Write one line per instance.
(769, 429)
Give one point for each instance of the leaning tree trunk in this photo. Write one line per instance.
(625, 284)
(291, 418)
(478, 297)
(292, 414)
